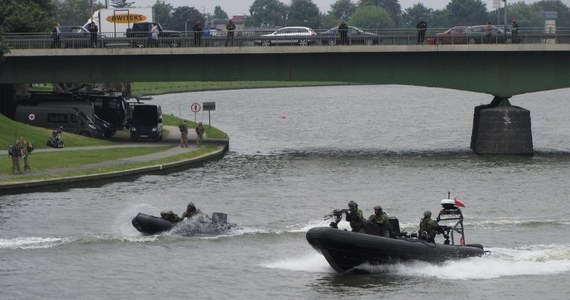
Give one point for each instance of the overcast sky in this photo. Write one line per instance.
(237, 7)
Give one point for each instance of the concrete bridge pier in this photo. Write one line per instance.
(501, 129)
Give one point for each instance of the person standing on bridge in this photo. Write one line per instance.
(230, 27)
(93, 30)
(154, 35)
(514, 31)
(197, 29)
(421, 27)
(489, 32)
(343, 30)
(55, 36)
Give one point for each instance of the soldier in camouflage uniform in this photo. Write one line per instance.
(199, 134)
(26, 148)
(15, 153)
(428, 228)
(380, 219)
(183, 135)
(191, 211)
(354, 217)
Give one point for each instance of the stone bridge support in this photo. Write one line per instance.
(501, 129)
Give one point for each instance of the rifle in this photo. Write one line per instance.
(337, 214)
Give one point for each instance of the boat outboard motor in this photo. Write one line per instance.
(219, 217)
(395, 224)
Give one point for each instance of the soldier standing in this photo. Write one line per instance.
(26, 148)
(199, 134)
(183, 135)
(15, 152)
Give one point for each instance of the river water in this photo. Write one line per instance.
(295, 155)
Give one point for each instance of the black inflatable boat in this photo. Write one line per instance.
(345, 250)
(201, 224)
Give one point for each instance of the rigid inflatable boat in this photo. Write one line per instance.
(199, 224)
(346, 250)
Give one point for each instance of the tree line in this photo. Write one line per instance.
(40, 15)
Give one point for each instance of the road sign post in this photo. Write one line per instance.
(195, 107)
(209, 106)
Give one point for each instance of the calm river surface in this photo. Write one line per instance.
(296, 154)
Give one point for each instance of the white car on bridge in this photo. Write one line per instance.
(294, 35)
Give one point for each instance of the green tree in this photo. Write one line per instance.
(371, 17)
(412, 15)
(342, 9)
(329, 21)
(75, 12)
(527, 16)
(184, 17)
(554, 5)
(391, 6)
(163, 13)
(303, 13)
(26, 15)
(265, 13)
(3, 48)
(440, 19)
(220, 14)
(467, 12)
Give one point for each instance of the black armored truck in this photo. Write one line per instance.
(141, 36)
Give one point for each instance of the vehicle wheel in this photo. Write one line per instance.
(331, 42)
(303, 42)
(368, 42)
(266, 43)
(472, 41)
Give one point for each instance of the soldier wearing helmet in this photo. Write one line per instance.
(354, 217)
(381, 221)
(428, 228)
(191, 211)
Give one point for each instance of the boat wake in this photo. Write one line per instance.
(503, 262)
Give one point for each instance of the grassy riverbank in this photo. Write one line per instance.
(43, 162)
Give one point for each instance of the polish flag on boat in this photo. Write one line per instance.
(458, 203)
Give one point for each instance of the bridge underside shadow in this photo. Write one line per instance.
(500, 73)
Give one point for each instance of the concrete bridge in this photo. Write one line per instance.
(498, 70)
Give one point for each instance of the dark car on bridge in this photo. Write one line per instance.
(356, 36)
(454, 35)
(471, 35)
(140, 33)
(74, 37)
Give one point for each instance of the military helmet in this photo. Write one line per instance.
(427, 213)
(352, 204)
(191, 207)
(378, 207)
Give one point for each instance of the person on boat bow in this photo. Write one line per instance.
(381, 221)
(355, 218)
(191, 211)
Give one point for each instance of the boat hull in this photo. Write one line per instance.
(345, 250)
(148, 224)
